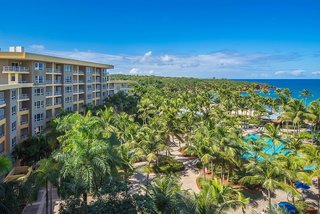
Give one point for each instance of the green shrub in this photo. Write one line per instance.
(305, 135)
(168, 165)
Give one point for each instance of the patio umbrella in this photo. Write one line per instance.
(289, 207)
(301, 185)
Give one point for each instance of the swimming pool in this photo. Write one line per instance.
(270, 149)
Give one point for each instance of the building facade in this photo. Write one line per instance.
(118, 85)
(35, 88)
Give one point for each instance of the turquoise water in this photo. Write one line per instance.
(269, 149)
(295, 85)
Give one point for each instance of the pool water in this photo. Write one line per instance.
(270, 150)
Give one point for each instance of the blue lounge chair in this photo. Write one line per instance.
(288, 207)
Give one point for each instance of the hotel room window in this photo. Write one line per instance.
(38, 66)
(88, 70)
(14, 126)
(67, 68)
(13, 94)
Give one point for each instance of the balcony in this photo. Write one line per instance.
(15, 69)
(75, 72)
(75, 81)
(57, 71)
(23, 109)
(80, 72)
(24, 122)
(1, 134)
(49, 93)
(68, 82)
(48, 104)
(23, 97)
(49, 70)
(57, 93)
(57, 82)
(49, 82)
(2, 102)
(57, 102)
(22, 81)
(39, 83)
(23, 137)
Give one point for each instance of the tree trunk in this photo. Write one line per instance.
(85, 199)
(269, 198)
(47, 197)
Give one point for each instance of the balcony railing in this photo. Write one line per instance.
(23, 136)
(24, 122)
(15, 68)
(23, 109)
(49, 70)
(75, 81)
(81, 81)
(2, 101)
(1, 134)
(57, 82)
(23, 96)
(58, 71)
(80, 72)
(49, 93)
(48, 104)
(39, 82)
(49, 81)
(2, 116)
(22, 81)
(57, 93)
(58, 102)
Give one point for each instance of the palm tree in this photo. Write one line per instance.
(46, 173)
(213, 198)
(5, 164)
(314, 114)
(305, 93)
(295, 112)
(273, 133)
(268, 174)
(163, 191)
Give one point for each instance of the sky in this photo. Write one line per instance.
(236, 39)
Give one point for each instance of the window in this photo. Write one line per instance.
(89, 96)
(38, 91)
(68, 109)
(13, 110)
(88, 70)
(68, 89)
(88, 79)
(14, 142)
(14, 126)
(68, 99)
(68, 79)
(39, 79)
(13, 77)
(89, 87)
(13, 94)
(67, 68)
(38, 66)
(38, 117)
(38, 129)
(39, 104)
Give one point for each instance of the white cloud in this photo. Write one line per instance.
(316, 73)
(296, 72)
(226, 64)
(37, 47)
(146, 56)
(166, 58)
(134, 71)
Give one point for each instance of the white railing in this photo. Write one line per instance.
(15, 68)
(49, 93)
(2, 101)
(23, 109)
(23, 96)
(49, 70)
(24, 122)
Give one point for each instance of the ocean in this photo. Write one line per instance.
(295, 85)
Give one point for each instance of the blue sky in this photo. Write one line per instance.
(229, 38)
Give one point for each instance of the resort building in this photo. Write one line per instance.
(119, 85)
(35, 88)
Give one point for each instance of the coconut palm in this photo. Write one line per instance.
(273, 133)
(305, 93)
(163, 191)
(5, 164)
(213, 198)
(268, 174)
(47, 173)
(295, 112)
